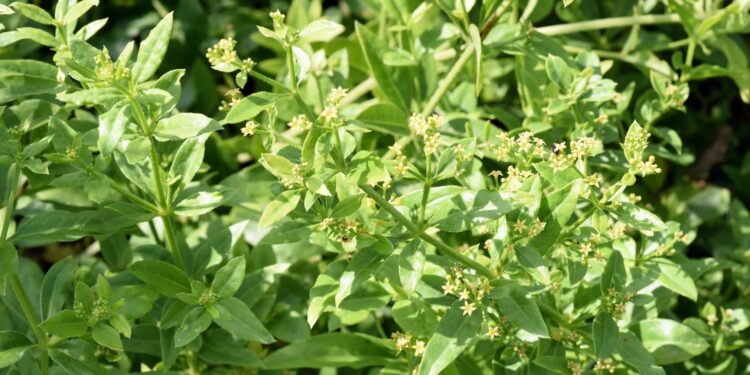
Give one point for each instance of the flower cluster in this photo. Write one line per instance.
(405, 341)
(108, 72)
(333, 103)
(223, 57)
(300, 123)
(468, 288)
(231, 98)
(427, 128)
(297, 177)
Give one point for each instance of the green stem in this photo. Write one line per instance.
(447, 82)
(28, 311)
(270, 81)
(15, 281)
(553, 313)
(163, 195)
(340, 160)
(134, 198)
(434, 241)
(425, 190)
(606, 23)
(13, 176)
(690, 53)
(290, 66)
(170, 240)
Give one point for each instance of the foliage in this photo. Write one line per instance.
(456, 187)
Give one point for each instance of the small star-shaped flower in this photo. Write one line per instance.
(468, 308)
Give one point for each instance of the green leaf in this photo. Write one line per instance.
(523, 312)
(411, 263)
(347, 206)
(74, 365)
(385, 118)
(251, 106)
(674, 278)
(12, 346)
(134, 300)
(634, 354)
(196, 321)
(112, 126)
(557, 219)
(321, 30)
(8, 262)
(331, 350)
(39, 36)
(278, 165)
(21, 78)
(373, 49)
(637, 217)
(161, 276)
(199, 203)
(221, 348)
(79, 9)
(33, 13)
(605, 334)
(670, 341)
(236, 318)
(152, 50)
(106, 336)
(92, 96)
(559, 72)
(415, 316)
(739, 219)
(229, 278)
(185, 125)
(454, 334)
(65, 324)
(476, 40)
(187, 161)
(279, 208)
(614, 275)
(366, 168)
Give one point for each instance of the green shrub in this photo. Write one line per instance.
(440, 187)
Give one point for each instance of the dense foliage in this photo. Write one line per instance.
(379, 187)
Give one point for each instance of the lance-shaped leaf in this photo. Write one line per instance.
(453, 335)
(332, 350)
(185, 125)
(152, 49)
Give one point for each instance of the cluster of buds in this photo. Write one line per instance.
(402, 167)
(249, 128)
(405, 341)
(523, 147)
(208, 298)
(342, 230)
(333, 103)
(231, 98)
(515, 178)
(297, 177)
(471, 290)
(223, 57)
(647, 167)
(107, 71)
(614, 302)
(617, 231)
(99, 311)
(522, 229)
(300, 123)
(584, 147)
(427, 128)
(636, 141)
(606, 364)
